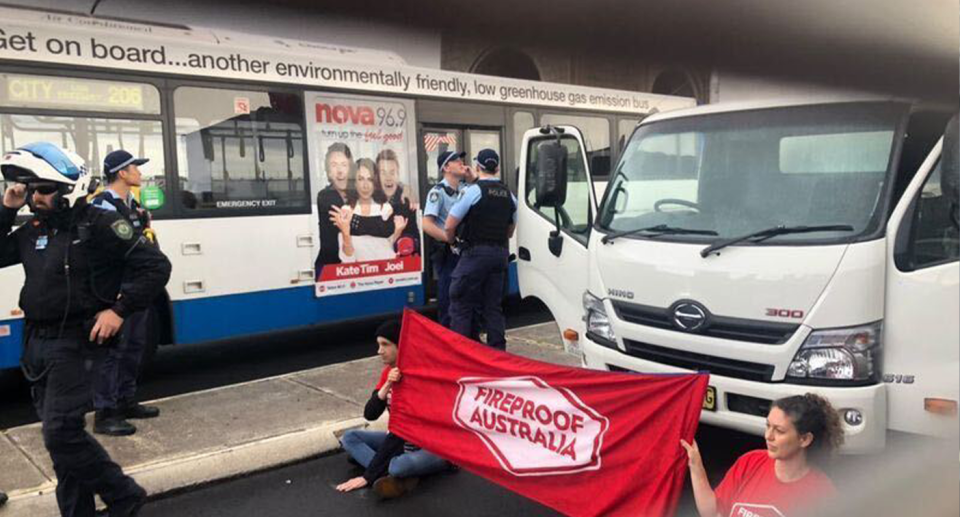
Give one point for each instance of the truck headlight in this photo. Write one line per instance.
(598, 324)
(846, 355)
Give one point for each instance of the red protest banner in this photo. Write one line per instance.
(585, 443)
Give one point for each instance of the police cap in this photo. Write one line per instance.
(448, 156)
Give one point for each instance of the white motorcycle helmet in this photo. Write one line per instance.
(42, 162)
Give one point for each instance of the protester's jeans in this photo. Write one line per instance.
(362, 446)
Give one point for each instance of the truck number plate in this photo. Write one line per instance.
(710, 399)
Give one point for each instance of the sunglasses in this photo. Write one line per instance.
(44, 189)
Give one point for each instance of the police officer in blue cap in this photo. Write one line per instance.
(484, 218)
(115, 386)
(440, 200)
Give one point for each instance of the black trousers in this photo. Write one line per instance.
(61, 370)
(476, 293)
(115, 383)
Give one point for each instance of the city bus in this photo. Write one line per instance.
(240, 131)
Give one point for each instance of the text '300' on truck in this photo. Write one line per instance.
(785, 248)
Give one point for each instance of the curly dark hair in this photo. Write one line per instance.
(811, 413)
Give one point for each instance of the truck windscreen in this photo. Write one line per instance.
(739, 172)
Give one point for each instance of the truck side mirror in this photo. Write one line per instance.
(551, 185)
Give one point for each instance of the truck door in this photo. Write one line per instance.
(921, 335)
(552, 242)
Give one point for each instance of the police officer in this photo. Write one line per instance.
(484, 218)
(79, 287)
(440, 199)
(115, 385)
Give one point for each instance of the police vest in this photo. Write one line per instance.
(138, 219)
(488, 221)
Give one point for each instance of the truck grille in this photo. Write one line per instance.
(737, 329)
(700, 362)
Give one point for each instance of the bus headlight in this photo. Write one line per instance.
(598, 324)
(845, 355)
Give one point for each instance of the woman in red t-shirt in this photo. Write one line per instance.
(783, 480)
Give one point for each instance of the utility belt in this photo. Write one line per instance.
(487, 243)
(71, 328)
(443, 252)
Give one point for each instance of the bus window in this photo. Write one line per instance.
(523, 121)
(436, 141)
(596, 136)
(481, 139)
(625, 128)
(91, 138)
(240, 149)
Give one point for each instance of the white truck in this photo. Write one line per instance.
(783, 247)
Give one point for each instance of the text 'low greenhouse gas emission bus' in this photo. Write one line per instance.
(246, 133)
(785, 248)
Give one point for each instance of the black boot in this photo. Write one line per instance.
(134, 410)
(126, 507)
(111, 423)
(130, 506)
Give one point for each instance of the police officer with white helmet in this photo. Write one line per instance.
(79, 287)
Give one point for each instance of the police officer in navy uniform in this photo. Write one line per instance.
(115, 385)
(86, 270)
(440, 200)
(484, 219)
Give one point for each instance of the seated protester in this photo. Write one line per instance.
(782, 480)
(392, 465)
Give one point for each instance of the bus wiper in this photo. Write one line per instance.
(660, 229)
(763, 235)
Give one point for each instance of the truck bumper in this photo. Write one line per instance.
(742, 404)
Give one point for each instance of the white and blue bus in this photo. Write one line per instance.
(237, 129)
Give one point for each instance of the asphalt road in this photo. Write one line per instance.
(189, 368)
(307, 489)
(888, 484)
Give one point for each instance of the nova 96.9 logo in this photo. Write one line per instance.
(360, 115)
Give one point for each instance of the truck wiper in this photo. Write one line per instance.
(763, 235)
(660, 229)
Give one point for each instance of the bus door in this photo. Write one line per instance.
(435, 140)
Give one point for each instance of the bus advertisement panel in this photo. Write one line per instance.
(364, 185)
